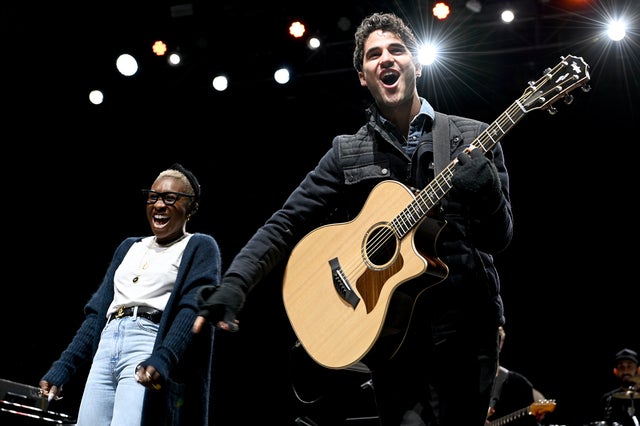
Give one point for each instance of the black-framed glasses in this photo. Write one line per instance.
(168, 198)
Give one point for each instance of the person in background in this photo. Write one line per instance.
(621, 405)
(514, 398)
(146, 365)
(452, 341)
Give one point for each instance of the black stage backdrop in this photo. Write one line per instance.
(73, 175)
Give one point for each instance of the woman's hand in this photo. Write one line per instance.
(148, 377)
(50, 391)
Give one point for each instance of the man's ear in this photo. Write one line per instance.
(615, 371)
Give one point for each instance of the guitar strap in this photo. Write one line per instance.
(441, 144)
(497, 385)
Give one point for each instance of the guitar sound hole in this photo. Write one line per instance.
(380, 247)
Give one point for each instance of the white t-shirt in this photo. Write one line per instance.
(147, 274)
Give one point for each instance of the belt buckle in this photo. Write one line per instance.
(120, 312)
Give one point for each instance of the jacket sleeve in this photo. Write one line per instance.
(492, 232)
(306, 208)
(82, 347)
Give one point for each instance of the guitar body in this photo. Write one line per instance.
(339, 286)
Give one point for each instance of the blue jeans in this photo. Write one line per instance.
(112, 396)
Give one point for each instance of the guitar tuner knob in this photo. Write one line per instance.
(585, 88)
(552, 110)
(568, 99)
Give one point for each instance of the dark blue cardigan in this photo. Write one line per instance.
(183, 359)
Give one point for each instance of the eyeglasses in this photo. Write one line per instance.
(168, 198)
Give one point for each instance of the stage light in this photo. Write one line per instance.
(617, 30)
(427, 54)
(174, 59)
(507, 16)
(297, 29)
(441, 10)
(159, 48)
(282, 76)
(474, 5)
(313, 43)
(220, 83)
(96, 97)
(344, 24)
(127, 65)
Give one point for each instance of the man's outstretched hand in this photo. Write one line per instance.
(220, 305)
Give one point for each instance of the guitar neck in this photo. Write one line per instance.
(509, 418)
(556, 83)
(441, 184)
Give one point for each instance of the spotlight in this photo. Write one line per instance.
(441, 10)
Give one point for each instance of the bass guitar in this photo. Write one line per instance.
(340, 281)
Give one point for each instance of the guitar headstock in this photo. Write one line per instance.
(556, 83)
(542, 407)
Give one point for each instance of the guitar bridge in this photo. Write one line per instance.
(341, 284)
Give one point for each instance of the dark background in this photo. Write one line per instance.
(74, 172)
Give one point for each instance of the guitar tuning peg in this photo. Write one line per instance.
(586, 88)
(552, 110)
(568, 99)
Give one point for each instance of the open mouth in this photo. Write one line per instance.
(160, 220)
(389, 78)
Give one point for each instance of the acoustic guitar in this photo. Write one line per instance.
(341, 280)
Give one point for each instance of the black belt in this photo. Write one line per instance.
(151, 314)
